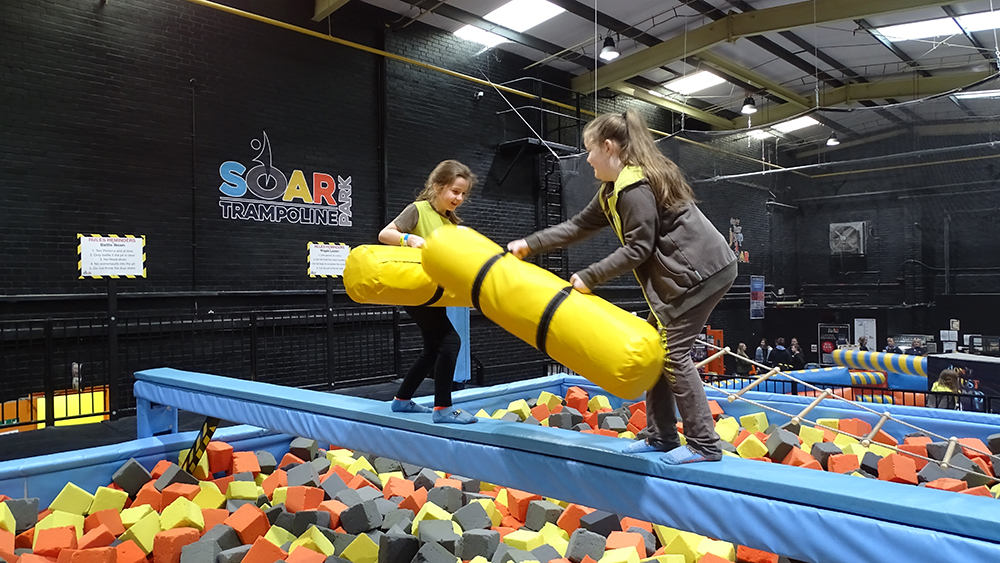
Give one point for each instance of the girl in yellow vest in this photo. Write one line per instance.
(682, 262)
(445, 189)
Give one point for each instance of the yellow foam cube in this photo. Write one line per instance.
(59, 519)
(132, 515)
(279, 496)
(502, 497)
(182, 513)
(491, 510)
(259, 478)
(72, 499)
(479, 559)
(751, 447)
(722, 549)
(7, 520)
(486, 487)
(844, 440)
(550, 530)
(544, 422)
(108, 499)
(620, 555)
(359, 464)
(666, 534)
(628, 435)
(810, 435)
(558, 502)
(362, 550)
(315, 540)
(685, 544)
(856, 449)
(831, 423)
(727, 428)
(143, 531)
(879, 450)
(995, 490)
(279, 536)
(598, 402)
(729, 453)
(430, 511)
(384, 477)
(558, 544)
(520, 408)
(498, 414)
(482, 414)
(209, 496)
(549, 400)
(200, 472)
(523, 539)
(241, 490)
(756, 422)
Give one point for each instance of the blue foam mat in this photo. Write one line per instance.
(791, 511)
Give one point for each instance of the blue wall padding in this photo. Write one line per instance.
(908, 382)
(44, 476)
(810, 515)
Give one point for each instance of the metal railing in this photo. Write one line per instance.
(60, 371)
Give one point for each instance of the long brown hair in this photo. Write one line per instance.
(630, 132)
(441, 177)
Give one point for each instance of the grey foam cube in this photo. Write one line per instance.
(545, 553)
(361, 517)
(936, 450)
(869, 463)
(993, 443)
(439, 531)
(222, 535)
(348, 496)
(234, 555)
(286, 521)
(973, 474)
(304, 448)
(582, 427)
(303, 475)
(823, 450)
(425, 479)
(402, 517)
(333, 484)
(511, 417)
(583, 543)
(397, 547)
(367, 493)
(511, 555)
(25, 511)
(780, 444)
(575, 416)
(341, 541)
(540, 512)
(385, 506)
(614, 423)
(304, 519)
(561, 420)
(433, 553)
(472, 517)
(410, 470)
(321, 464)
(601, 522)
(532, 421)
(932, 472)
(448, 498)
(647, 538)
(478, 542)
(245, 476)
(174, 474)
(335, 559)
(266, 461)
(234, 504)
(131, 476)
(275, 511)
(200, 552)
(386, 465)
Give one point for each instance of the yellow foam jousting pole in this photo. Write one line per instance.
(880, 361)
(611, 347)
(392, 275)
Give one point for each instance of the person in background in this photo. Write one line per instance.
(742, 366)
(780, 357)
(798, 358)
(947, 382)
(890, 346)
(763, 352)
(863, 343)
(917, 348)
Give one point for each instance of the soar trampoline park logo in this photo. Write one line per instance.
(275, 198)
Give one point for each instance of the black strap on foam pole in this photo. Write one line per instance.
(434, 298)
(478, 283)
(547, 314)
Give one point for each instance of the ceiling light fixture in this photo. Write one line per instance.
(978, 95)
(833, 140)
(749, 106)
(796, 124)
(609, 52)
(692, 83)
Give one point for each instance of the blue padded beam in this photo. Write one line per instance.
(808, 515)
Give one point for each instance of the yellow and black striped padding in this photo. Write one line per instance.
(392, 275)
(611, 347)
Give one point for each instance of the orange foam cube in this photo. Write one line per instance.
(746, 554)
(569, 520)
(220, 457)
(305, 555)
(618, 540)
(158, 469)
(304, 498)
(518, 501)
(578, 399)
(842, 463)
(167, 544)
(273, 481)
(50, 541)
(245, 462)
(948, 484)
(897, 469)
(95, 555)
(358, 481)
(396, 487)
(264, 551)
(109, 518)
(334, 508)
(415, 501)
(100, 536)
(638, 419)
(290, 459)
(980, 491)
(129, 552)
(213, 517)
(629, 522)
(915, 450)
(176, 490)
(250, 523)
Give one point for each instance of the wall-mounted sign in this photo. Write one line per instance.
(326, 259)
(264, 193)
(111, 256)
(830, 338)
(756, 297)
(736, 241)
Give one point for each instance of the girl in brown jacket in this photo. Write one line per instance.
(682, 262)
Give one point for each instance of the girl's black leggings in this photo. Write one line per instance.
(440, 353)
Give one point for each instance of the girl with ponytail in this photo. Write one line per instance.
(683, 264)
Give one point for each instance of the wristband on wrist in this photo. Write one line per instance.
(406, 239)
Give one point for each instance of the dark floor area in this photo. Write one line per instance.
(18, 445)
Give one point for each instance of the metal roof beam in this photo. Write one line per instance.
(643, 94)
(326, 7)
(918, 86)
(736, 26)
